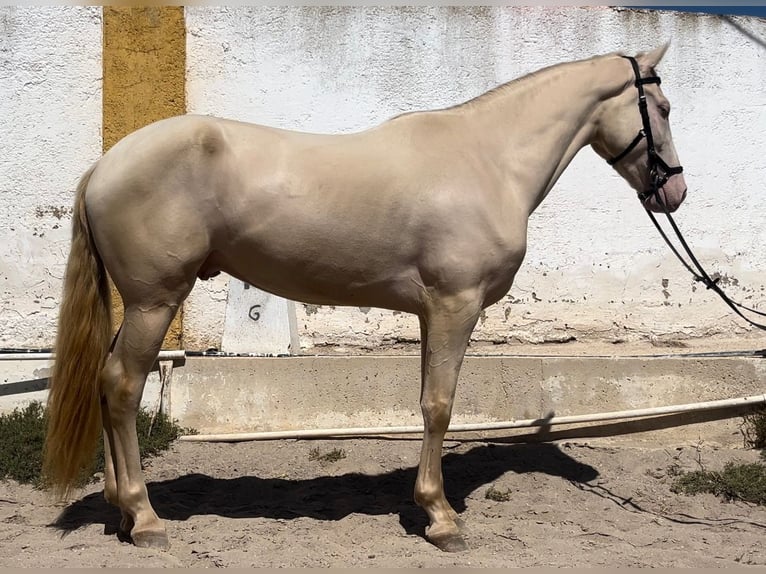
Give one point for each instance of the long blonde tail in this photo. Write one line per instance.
(82, 343)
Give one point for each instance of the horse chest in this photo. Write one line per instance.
(500, 265)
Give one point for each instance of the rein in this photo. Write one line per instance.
(660, 172)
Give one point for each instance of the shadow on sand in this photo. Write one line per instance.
(332, 497)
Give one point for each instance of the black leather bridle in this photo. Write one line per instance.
(659, 173)
(659, 170)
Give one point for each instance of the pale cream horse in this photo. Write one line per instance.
(425, 213)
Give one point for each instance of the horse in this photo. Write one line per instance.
(425, 213)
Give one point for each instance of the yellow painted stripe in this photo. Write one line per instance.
(144, 67)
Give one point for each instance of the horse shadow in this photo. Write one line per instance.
(332, 497)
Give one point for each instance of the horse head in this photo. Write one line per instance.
(633, 134)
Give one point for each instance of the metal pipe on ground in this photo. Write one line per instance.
(468, 427)
(33, 356)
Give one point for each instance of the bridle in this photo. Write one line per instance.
(659, 173)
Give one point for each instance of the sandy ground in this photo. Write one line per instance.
(573, 502)
(594, 502)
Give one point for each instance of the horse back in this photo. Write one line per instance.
(287, 210)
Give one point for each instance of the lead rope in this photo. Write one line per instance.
(701, 275)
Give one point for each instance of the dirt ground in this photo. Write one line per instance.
(593, 502)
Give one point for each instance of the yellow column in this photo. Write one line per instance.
(144, 65)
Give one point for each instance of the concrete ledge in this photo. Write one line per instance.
(225, 395)
(221, 395)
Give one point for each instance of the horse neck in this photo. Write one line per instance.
(535, 126)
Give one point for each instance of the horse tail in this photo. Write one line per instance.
(82, 343)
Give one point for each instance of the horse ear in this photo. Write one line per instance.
(648, 60)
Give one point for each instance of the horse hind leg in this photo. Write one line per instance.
(123, 379)
(110, 480)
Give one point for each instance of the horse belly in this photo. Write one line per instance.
(320, 268)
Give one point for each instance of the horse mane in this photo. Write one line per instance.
(505, 87)
(501, 89)
(510, 85)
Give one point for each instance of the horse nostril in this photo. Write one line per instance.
(683, 195)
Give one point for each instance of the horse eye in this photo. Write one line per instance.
(664, 111)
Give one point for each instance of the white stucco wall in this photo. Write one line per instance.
(595, 267)
(50, 105)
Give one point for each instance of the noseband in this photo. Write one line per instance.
(659, 171)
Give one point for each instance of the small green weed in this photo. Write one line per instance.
(746, 482)
(754, 430)
(22, 438)
(334, 455)
(155, 436)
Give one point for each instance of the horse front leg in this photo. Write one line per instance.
(445, 331)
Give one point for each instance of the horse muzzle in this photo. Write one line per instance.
(668, 197)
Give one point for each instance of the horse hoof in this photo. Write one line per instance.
(449, 543)
(151, 539)
(447, 538)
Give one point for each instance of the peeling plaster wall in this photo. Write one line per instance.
(596, 267)
(50, 108)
